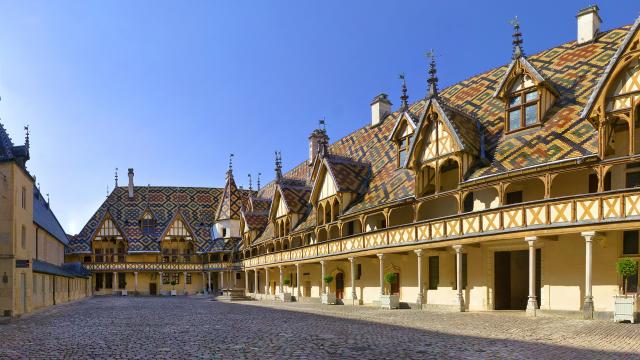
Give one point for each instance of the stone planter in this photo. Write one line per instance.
(284, 297)
(624, 308)
(328, 298)
(124, 293)
(389, 301)
(174, 292)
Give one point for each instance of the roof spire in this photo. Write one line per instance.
(250, 185)
(107, 190)
(517, 39)
(405, 105)
(278, 165)
(259, 181)
(230, 164)
(116, 177)
(26, 136)
(433, 80)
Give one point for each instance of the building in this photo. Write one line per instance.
(32, 242)
(514, 189)
(150, 240)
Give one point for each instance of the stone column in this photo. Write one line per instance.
(221, 279)
(459, 296)
(209, 281)
(322, 286)
(114, 282)
(246, 282)
(532, 302)
(420, 299)
(159, 282)
(587, 307)
(381, 261)
(281, 285)
(354, 296)
(267, 291)
(184, 287)
(204, 284)
(135, 282)
(255, 281)
(298, 294)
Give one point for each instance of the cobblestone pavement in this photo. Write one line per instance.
(195, 327)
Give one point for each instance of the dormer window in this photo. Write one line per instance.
(522, 107)
(403, 150)
(148, 224)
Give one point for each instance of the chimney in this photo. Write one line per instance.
(588, 24)
(380, 107)
(318, 141)
(130, 182)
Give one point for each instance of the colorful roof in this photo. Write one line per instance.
(197, 207)
(232, 201)
(349, 175)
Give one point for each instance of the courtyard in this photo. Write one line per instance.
(196, 327)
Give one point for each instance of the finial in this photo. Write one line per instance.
(107, 190)
(433, 80)
(517, 39)
(26, 136)
(230, 163)
(48, 199)
(116, 177)
(259, 181)
(322, 124)
(405, 105)
(250, 185)
(278, 165)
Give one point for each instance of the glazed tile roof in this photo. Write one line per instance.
(6, 145)
(256, 220)
(231, 202)
(349, 175)
(197, 206)
(295, 194)
(571, 70)
(259, 204)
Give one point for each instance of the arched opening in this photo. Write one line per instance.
(523, 191)
(375, 222)
(322, 235)
(481, 199)
(617, 138)
(401, 215)
(352, 227)
(583, 181)
(320, 212)
(449, 175)
(439, 207)
(335, 210)
(427, 181)
(339, 285)
(296, 242)
(122, 251)
(334, 232)
(622, 97)
(327, 214)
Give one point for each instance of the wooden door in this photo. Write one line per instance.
(395, 286)
(339, 285)
(153, 289)
(502, 280)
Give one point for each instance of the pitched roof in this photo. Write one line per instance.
(6, 145)
(255, 220)
(349, 175)
(44, 217)
(295, 194)
(231, 202)
(196, 205)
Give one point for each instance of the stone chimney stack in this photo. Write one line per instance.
(130, 183)
(380, 107)
(318, 141)
(588, 24)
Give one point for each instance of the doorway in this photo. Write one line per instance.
(511, 279)
(340, 286)
(153, 289)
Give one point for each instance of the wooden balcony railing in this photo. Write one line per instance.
(161, 266)
(612, 206)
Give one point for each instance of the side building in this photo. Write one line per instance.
(162, 240)
(32, 242)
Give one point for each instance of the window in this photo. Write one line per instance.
(148, 226)
(403, 149)
(633, 179)
(514, 197)
(434, 272)
(522, 107)
(188, 279)
(23, 237)
(23, 200)
(630, 243)
(464, 272)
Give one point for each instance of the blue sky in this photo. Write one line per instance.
(170, 88)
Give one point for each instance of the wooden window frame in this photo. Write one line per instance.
(402, 145)
(522, 107)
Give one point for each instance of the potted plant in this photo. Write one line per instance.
(624, 308)
(328, 297)
(173, 290)
(390, 301)
(286, 295)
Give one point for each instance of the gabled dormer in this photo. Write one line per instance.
(148, 223)
(337, 182)
(227, 223)
(289, 205)
(526, 94)
(404, 128)
(108, 240)
(177, 242)
(446, 144)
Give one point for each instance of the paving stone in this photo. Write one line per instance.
(198, 328)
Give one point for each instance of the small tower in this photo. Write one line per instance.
(228, 215)
(278, 168)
